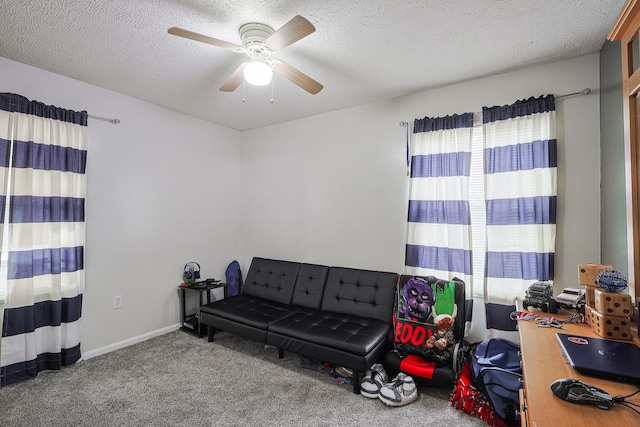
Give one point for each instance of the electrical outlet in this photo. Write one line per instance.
(117, 301)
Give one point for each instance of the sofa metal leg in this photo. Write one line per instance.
(210, 334)
(357, 378)
(280, 353)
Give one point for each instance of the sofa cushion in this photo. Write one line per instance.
(270, 279)
(345, 332)
(246, 309)
(362, 293)
(310, 285)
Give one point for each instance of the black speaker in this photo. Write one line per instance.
(191, 272)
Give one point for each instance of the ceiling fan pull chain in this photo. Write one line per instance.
(272, 91)
(243, 91)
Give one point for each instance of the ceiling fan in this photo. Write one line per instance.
(259, 42)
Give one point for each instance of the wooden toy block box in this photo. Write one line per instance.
(612, 327)
(588, 273)
(612, 303)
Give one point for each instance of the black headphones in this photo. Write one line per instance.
(191, 272)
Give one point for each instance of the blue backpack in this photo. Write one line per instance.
(496, 372)
(234, 279)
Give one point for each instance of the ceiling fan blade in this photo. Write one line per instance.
(234, 80)
(297, 28)
(297, 77)
(204, 39)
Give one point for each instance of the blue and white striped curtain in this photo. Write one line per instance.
(521, 197)
(42, 171)
(439, 227)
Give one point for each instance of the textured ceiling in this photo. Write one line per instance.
(362, 50)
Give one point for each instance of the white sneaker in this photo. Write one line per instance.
(373, 381)
(399, 392)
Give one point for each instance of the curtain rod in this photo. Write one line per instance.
(585, 91)
(112, 121)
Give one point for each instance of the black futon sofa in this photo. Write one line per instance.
(338, 315)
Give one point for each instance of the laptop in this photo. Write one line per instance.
(601, 357)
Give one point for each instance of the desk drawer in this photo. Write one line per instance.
(524, 422)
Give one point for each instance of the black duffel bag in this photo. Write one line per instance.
(497, 373)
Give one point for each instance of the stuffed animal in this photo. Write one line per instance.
(441, 344)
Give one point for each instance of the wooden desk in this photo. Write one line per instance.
(543, 363)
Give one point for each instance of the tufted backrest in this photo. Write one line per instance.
(361, 292)
(310, 285)
(271, 279)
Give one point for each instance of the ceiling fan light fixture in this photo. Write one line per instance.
(258, 73)
(259, 41)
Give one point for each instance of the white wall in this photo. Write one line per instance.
(162, 190)
(612, 162)
(332, 188)
(163, 187)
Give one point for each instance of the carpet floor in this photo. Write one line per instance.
(178, 379)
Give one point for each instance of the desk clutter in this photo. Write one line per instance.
(202, 283)
(608, 310)
(544, 361)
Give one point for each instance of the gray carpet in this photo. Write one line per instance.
(177, 380)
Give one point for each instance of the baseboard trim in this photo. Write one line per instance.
(126, 343)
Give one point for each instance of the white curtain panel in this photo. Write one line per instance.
(438, 227)
(521, 199)
(438, 223)
(482, 203)
(45, 186)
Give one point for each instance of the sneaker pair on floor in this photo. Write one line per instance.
(399, 392)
